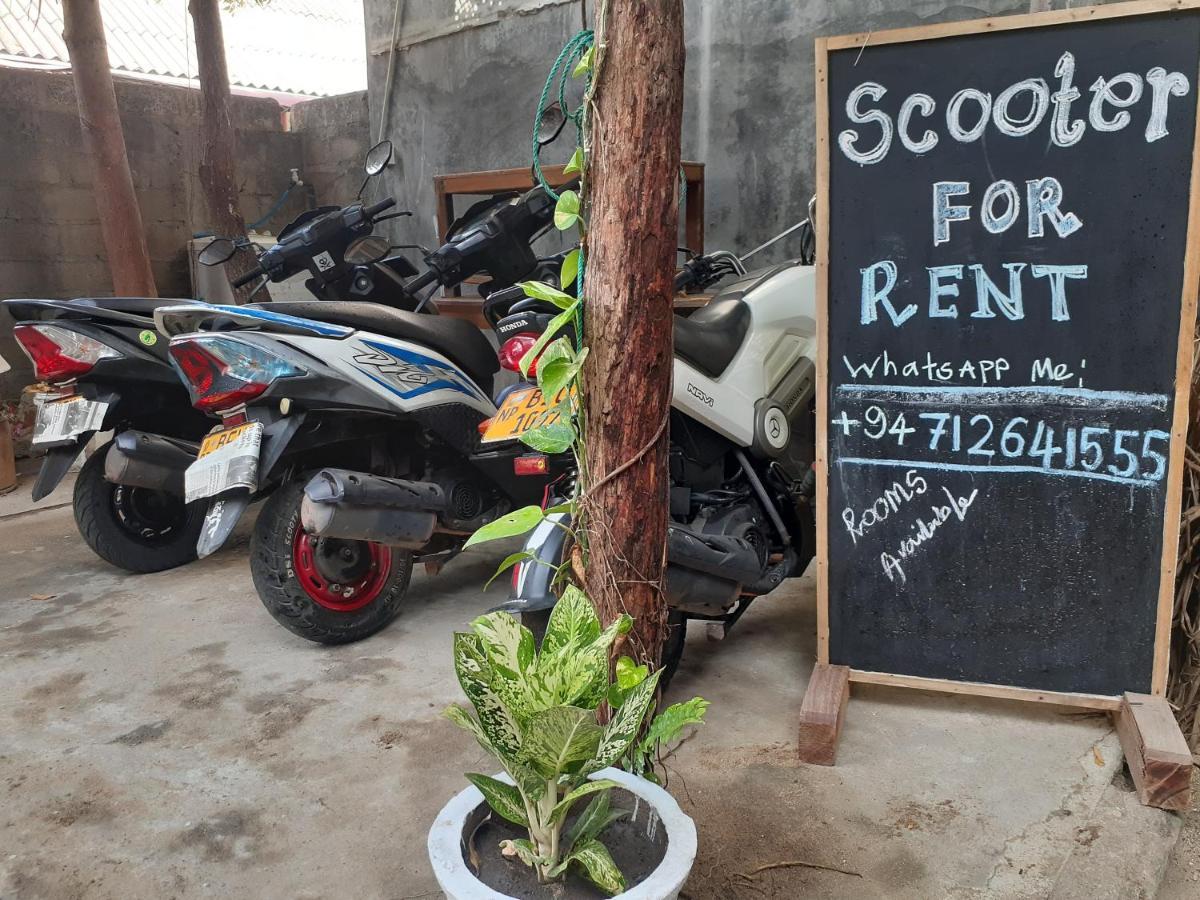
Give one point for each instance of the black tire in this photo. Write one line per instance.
(135, 529)
(672, 651)
(290, 594)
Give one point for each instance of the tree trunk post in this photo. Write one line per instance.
(633, 188)
(120, 218)
(218, 147)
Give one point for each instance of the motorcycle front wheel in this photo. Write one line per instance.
(326, 590)
(136, 529)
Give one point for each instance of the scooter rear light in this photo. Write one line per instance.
(513, 350)
(222, 373)
(60, 354)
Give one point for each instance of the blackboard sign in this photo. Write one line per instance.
(1007, 218)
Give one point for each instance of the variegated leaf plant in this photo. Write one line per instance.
(535, 711)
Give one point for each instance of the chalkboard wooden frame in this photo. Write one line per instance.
(1183, 367)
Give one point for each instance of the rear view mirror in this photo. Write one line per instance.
(377, 158)
(366, 250)
(551, 124)
(218, 251)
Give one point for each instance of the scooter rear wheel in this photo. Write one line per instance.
(135, 529)
(325, 590)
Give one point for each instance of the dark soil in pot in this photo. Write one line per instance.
(637, 843)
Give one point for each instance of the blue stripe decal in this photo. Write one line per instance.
(312, 325)
(424, 373)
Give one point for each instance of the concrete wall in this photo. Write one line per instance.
(468, 80)
(334, 134)
(50, 243)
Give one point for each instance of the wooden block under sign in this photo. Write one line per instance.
(822, 712)
(1156, 751)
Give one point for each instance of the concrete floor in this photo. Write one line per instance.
(161, 736)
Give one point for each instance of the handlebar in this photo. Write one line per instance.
(248, 277)
(375, 209)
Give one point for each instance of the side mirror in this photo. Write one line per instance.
(377, 158)
(368, 249)
(551, 124)
(218, 251)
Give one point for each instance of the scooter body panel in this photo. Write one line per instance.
(783, 331)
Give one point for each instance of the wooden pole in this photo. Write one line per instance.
(633, 178)
(116, 202)
(218, 146)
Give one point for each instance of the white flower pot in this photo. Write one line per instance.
(664, 883)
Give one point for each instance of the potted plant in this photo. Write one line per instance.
(535, 711)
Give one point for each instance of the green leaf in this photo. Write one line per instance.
(560, 739)
(522, 849)
(552, 438)
(574, 165)
(557, 324)
(584, 66)
(566, 211)
(475, 675)
(508, 644)
(559, 373)
(541, 291)
(599, 867)
(624, 725)
(589, 787)
(590, 823)
(567, 506)
(666, 726)
(569, 273)
(504, 799)
(573, 621)
(517, 522)
(630, 676)
(509, 561)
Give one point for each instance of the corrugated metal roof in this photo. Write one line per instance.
(288, 46)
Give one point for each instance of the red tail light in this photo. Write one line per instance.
(513, 350)
(60, 354)
(222, 373)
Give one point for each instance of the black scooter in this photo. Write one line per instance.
(108, 370)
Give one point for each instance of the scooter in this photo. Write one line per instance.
(743, 443)
(362, 420)
(108, 370)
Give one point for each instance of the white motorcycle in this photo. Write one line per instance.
(742, 450)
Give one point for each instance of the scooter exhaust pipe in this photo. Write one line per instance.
(138, 459)
(706, 572)
(357, 506)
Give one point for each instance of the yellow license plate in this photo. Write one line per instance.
(522, 411)
(220, 439)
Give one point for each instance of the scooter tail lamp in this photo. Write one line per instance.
(513, 350)
(60, 354)
(222, 373)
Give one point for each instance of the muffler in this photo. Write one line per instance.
(357, 506)
(706, 572)
(139, 459)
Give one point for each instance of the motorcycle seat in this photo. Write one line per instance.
(455, 339)
(38, 308)
(710, 338)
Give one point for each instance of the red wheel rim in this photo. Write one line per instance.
(369, 567)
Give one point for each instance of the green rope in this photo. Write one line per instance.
(563, 66)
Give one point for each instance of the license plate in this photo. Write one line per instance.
(522, 411)
(227, 460)
(61, 420)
